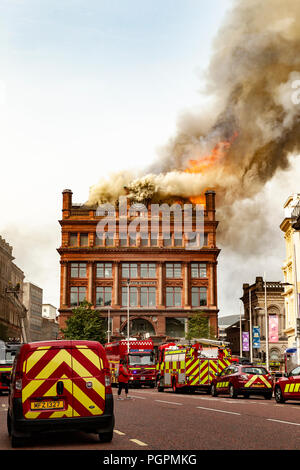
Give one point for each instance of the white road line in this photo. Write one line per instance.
(119, 432)
(284, 422)
(141, 398)
(170, 402)
(219, 411)
(140, 443)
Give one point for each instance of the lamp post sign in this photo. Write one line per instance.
(256, 337)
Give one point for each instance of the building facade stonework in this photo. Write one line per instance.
(167, 282)
(254, 301)
(291, 269)
(10, 277)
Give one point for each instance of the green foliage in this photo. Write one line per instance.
(198, 327)
(85, 324)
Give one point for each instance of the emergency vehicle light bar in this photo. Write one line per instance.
(139, 350)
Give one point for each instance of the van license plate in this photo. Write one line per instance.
(143, 378)
(47, 405)
(258, 385)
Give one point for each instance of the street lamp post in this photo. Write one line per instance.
(266, 325)
(296, 297)
(250, 326)
(241, 341)
(108, 325)
(128, 301)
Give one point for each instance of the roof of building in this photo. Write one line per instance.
(228, 320)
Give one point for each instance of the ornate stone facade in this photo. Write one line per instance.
(254, 296)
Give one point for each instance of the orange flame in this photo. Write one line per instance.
(204, 163)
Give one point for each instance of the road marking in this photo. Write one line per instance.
(141, 398)
(140, 443)
(119, 432)
(284, 422)
(170, 402)
(219, 411)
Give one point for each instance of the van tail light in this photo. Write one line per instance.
(18, 384)
(107, 381)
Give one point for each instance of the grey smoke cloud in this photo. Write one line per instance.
(255, 60)
(254, 64)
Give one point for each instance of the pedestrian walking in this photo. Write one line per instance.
(123, 378)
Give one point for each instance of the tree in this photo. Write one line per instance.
(198, 327)
(85, 324)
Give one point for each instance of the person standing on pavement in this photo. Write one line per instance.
(123, 379)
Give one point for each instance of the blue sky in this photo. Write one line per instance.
(103, 79)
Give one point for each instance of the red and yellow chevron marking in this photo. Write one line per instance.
(213, 368)
(204, 372)
(223, 363)
(257, 379)
(80, 372)
(192, 371)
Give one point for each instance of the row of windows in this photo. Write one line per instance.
(108, 239)
(139, 296)
(138, 270)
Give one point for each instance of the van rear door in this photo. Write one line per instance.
(47, 382)
(88, 381)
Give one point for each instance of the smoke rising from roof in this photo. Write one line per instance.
(254, 64)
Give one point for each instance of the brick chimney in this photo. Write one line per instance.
(210, 203)
(67, 203)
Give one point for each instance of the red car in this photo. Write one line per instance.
(243, 380)
(288, 387)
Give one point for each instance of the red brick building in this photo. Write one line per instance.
(167, 282)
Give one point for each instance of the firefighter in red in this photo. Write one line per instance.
(123, 379)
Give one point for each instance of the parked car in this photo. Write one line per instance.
(243, 380)
(60, 385)
(288, 387)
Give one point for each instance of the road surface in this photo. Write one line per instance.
(169, 421)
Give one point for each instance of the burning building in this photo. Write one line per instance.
(167, 280)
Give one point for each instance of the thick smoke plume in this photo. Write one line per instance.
(253, 117)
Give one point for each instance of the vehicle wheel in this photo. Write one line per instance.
(246, 395)
(106, 436)
(16, 441)
(232, 391)
(278, 395)
(213, 390)
(268, 396)
(159, 388)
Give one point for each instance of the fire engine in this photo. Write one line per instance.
(139, 359)
(8, 351)
(190, 367)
